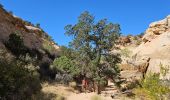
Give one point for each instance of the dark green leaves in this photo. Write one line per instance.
(65, 65)
(94, 40)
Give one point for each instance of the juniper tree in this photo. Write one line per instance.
(94, 41)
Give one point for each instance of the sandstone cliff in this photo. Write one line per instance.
(34, 37)
(155, 47)
(38, 43)
(153, 54)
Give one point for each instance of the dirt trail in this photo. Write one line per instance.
(71, 94)
(86, 96)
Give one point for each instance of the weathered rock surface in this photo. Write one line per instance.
(152, 53)
(156, 46)
(131, 74)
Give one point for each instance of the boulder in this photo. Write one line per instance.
(168, 21)
(156, 28)
(155, 49)
(131, 75)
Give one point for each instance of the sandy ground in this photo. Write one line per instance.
(70, 94)
(86, 96)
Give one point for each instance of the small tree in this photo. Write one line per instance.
(16, 45)
(17, 82)
(38, 25)
(1, 6)
(65, 66)
(94, 41)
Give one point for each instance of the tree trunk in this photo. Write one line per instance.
(98, 89)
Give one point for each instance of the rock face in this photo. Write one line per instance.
(33, 37)
(37, 42)
(155, 46)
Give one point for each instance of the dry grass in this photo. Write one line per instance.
(96, 97)
(57, 89)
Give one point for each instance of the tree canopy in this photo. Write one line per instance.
(94, 41)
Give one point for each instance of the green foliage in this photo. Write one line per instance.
(92, 41)
(96, 97)
(16, 44)
(125, 52)
(152, 87)
(73, 84)
(10, 12)
(1, 6)
(37, 25)
(141, 34)
(17, 82)
(164, 69)
(138, 42)
(48, 47)
(65, 65)
(68, 52)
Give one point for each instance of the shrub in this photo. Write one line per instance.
(37, 25)
(1, 6)
(126, 52)
(59, 97)
(138, 42)
(16, 45)
(63, 78)
(17, 82)
(73, 84)
(96, 97)
(65, 65)
(152, 88)
(48, 47)
(164, 69)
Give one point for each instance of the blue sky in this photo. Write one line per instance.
(134, 16)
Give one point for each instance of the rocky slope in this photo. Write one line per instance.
(153, 53)
(35, 39)
(156, 46)
(33, 36)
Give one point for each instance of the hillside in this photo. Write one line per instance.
(99, 64)
(35, 39)
(151, 55)
(26, 52)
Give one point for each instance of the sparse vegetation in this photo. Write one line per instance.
(65, 65)
(16, 45)
(17, 81)
(1, 6)
(32, 67)
(141, 34)
(126, 52)
(164, 69)
(152, 89)
(48, 47)
(37, 25)
(92, 41)
(96, 97)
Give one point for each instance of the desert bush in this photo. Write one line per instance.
(152, 88)
(17, 82)
(138, 42)
(63, 78)
(48, 47)
(126, 52)
(164, 69)
(65, 65)
(73, 84)
(60, 98)
(16, 45)
(1, 6)
(96, 97)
